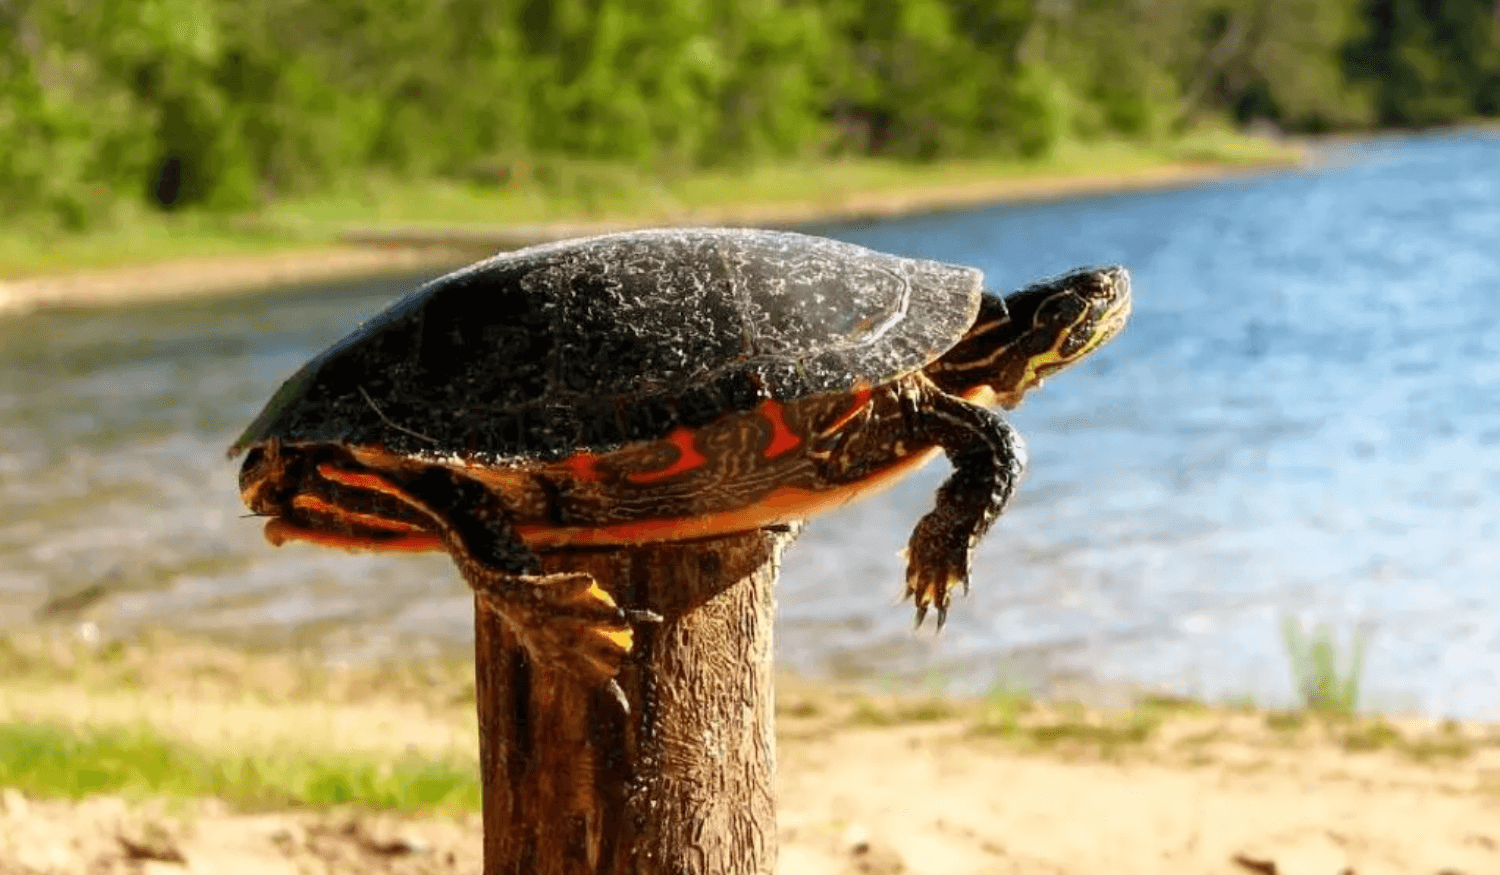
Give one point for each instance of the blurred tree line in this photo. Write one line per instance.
(228, 104)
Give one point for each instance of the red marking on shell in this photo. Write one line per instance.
(861, 398)
(783, 439)
(688, 458)
(781, 505)
(584, 466)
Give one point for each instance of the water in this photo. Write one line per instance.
(1300, 420)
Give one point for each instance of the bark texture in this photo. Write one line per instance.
(680, 784)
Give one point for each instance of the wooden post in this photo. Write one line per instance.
(682, 784)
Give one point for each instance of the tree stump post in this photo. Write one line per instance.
(682, 784)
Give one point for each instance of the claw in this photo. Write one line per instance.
(619, 695)
(638, 615)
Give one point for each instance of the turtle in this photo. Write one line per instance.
(657, 385)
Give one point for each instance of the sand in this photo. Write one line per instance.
(930, 801)
(199, 277)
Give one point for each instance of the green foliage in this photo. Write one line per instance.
(109, 105)
(50, 760)
(1270, 59)
(1428, 63)
(1322, 686)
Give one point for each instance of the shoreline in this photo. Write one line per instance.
(393, 249)
(183, 278)
(858, 207)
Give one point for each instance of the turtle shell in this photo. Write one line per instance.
(587, 345)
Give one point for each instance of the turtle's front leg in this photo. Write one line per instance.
(988, 457)
(561, 620)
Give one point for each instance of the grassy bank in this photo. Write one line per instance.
(59, 760)
(589, 195)
(165, 718)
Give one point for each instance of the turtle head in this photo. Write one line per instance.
(1017, 341)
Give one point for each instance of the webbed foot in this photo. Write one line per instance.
(566, 621)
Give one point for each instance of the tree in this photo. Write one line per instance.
(1428, 62)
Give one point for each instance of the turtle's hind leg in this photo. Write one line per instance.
(562, 620)
(988, 457)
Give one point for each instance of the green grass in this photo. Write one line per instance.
(145, 237)
(47, 759)
(573, 190)
(162, 661)
(1322, 685)
(1108, 737)
(1168, 705)
(1069, 725)
(1377, 734)
(1001, 710)
(1373, 735)
(568, 190)
(899, 713)
(1426, 750)
(1286, 721)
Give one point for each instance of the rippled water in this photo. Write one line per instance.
(1303, 418)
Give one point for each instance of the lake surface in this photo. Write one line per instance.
(1303, 419)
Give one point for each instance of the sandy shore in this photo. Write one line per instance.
(388, 250)
(866, 785)
(196, 277)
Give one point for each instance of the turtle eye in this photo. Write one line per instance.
(1059, 311)
(253, 459)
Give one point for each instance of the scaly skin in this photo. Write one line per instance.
(988, 457)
